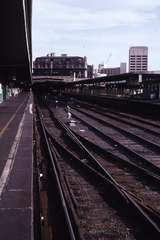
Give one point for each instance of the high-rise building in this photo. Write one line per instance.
(138, 59)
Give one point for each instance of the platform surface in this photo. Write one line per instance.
(16, 168)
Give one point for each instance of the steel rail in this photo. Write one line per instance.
(150, 144)
(81, 145)
(130, 164)
(76, 138)
(110, 154)
(62, 197)
(103, 110)
(130, 152)
(124, 119)
(132, 200)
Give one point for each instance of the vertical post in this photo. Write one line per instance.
(159, 91)
(140, 78)
(74, 76)
(1, 95)
(51, 67)
(4, 92)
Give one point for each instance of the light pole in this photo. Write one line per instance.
(51, 67)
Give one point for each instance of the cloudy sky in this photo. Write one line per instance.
(101, 30)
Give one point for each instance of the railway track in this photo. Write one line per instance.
(142, 184)
(127, 173)
(59, 138)
(140, 128)
(57, 214)
(149, 125)
(135, 133)
(141, 151)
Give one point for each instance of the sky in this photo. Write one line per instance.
(102, 30)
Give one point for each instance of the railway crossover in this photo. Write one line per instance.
(106, 188)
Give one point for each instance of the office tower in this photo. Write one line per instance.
(138, 59)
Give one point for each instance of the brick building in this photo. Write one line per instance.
(60, 66)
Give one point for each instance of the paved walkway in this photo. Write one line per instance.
(16, 168)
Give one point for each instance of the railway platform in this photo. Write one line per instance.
(16, 131)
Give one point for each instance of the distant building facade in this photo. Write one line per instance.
(60, 66)
(90, 70)
(112, 71)
(138, 59)
(123, 67)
